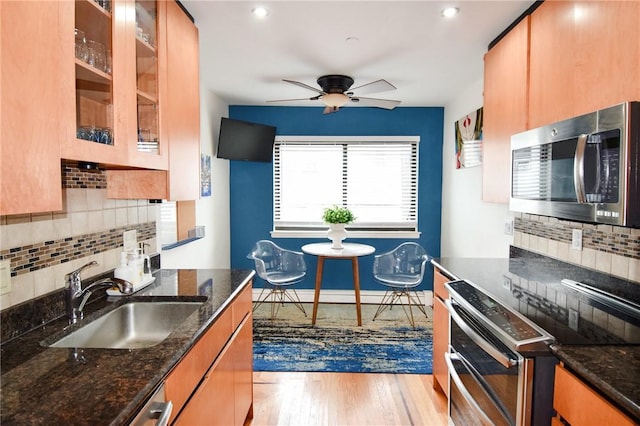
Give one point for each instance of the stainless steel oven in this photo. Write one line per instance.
(500, 368)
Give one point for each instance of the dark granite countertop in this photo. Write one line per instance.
(43, 385)
(614, 370)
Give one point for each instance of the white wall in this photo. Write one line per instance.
(213, 251)
(470, 227)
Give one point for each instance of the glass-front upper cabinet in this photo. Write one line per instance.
(147, 76)
(93, 72)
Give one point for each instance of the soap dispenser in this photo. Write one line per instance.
(136, 267)
(123, 271)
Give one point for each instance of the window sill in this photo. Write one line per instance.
(350, 234)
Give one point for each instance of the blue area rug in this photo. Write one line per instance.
(335, 345)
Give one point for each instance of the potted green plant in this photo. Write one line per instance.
(337, 214)
(337, 217)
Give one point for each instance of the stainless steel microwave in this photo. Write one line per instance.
(585, 168)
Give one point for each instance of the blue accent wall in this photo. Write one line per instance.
(251, 183)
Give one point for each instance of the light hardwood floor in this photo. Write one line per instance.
(357, 399)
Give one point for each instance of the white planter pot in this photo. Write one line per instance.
(336, 234)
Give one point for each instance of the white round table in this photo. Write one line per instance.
(350, 251)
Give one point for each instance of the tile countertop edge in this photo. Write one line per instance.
(40, 376)
(585, 361)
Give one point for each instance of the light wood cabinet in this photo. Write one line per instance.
(116, 91)
(32, 79)
(440, 332)
(506, 68)
(213, 384)
(179, 118)
(182, 109)
(584, 56)
(579, 405)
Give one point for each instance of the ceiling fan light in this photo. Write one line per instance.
(335, 99)
(260, 12)
(450, 12)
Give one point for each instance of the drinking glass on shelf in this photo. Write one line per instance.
(82, 50)
(107, 62)
(97, 55)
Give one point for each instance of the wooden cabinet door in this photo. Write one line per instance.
(185, 377)
(100, 99)
(580, 405)
(584, 56)
(607, 54)
(506, 68)
(182, 106)
(32, 40)
(213, 401)
(179, 126)
(440, 344)
(551, 58)
(243, 371)
(439, 280)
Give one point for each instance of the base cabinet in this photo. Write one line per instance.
(221, 398)
(440, 332)
(579, 405)
(213, 384)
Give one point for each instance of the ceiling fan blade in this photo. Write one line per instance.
(314, 98)
(374, 87)
(373, 102)
(330, 109)
(306, 86)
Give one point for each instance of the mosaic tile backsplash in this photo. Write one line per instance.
(42, 248)
(611, 249)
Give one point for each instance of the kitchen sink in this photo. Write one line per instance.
(133, 325)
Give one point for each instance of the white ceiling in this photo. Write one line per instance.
(408, 43)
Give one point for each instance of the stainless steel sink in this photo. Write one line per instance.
(133, 325)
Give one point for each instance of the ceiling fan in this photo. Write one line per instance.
(335, 92)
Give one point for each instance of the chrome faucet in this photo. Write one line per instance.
(77, 296)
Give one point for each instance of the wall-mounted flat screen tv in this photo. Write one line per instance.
(245, 141)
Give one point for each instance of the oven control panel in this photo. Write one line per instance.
(503, 318)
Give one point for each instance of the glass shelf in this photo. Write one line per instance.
(93, 80)
(147, 76)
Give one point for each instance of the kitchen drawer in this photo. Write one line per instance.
(242, 306)
(439, 279)
(185, 377)
(580, 405)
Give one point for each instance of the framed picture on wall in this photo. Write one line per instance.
(205, 175)
(468, 130)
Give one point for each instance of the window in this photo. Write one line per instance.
(376, 177)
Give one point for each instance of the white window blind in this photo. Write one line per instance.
(376, 177)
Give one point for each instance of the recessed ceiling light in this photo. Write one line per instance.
(351, 40)
(260, 12)
(450, 12)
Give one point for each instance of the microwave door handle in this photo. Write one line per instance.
(464, 391)
(578, 169)
(478, 340)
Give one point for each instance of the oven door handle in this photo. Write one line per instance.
(464, 391)
(486, 388)
(578, 169)
(503, 359)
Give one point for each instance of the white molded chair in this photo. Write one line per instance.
(280, 269)
(401, 270)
